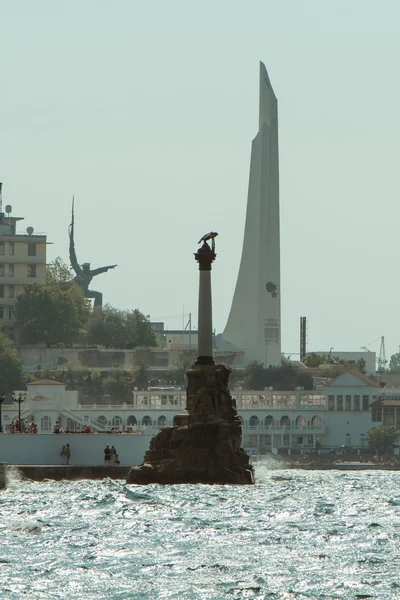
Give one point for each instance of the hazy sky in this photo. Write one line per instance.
(146, 112)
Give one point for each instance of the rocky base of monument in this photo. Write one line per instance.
(205, 449)
(204, 452)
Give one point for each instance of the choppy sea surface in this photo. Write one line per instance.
(295, 534)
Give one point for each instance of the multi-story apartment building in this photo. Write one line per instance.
(22, 262)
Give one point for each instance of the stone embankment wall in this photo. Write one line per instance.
(92, 358)
(80, 358)
(86, 449)
(73, 473)
(2, 476)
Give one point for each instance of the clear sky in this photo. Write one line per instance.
(146, 111)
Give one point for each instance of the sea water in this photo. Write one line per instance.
(295, 534)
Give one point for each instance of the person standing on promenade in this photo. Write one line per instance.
(68, 453)
(63, 456)
(113, 454)
(107, 455)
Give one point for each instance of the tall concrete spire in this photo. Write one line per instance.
(254, 323)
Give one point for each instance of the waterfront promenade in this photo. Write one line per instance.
(69, 472)
(87, 450)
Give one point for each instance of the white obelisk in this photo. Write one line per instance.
(254, 323)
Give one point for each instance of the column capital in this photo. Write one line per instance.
(205, 256)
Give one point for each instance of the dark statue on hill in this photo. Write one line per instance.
(84, 274)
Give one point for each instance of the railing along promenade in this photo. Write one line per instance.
(245, 399)
(154, 429)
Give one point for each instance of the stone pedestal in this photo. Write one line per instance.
(3, 467)
(207, 448)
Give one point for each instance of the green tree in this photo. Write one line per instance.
(117, 387)
(11, 375)
(177, 375)
(314, 360)
(58, 272)
(140, 332)
(394, 363)
(95, 376)
(257, 377)
(381, 439)
(361, 365)
(106, 328)
(51, 315)
(140, 377)
(114, 328)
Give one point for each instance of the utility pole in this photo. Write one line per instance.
(303, 337)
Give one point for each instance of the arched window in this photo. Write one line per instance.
(102, 420)
(147, 421)
(269, 421)
(347, 439)
(254, 421)
(117, 421)
(316, 421)
(132, 420)
(162, 421)
(301, 421)
(285, 421)
(45, 423)
(362, 440)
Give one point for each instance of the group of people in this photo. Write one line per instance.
(110, 456)
(125, 429)
(65, 454)
(23, 427)
(58, 429)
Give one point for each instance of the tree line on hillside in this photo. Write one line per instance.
(11, 374)
(314, 360)
(116, 386)
(58, 314)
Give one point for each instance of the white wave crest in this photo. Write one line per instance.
(14, 478)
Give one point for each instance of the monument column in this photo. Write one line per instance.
(205, 257)
(204, 444)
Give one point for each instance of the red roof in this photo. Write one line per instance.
(45, 382)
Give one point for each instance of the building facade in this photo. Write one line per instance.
(22, 262)
(339, 415)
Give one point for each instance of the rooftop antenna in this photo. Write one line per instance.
(1, 197)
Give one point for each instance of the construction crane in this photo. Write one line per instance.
(382, 362)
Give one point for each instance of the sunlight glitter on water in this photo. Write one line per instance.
(295, 534)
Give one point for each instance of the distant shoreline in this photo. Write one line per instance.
(342, 467)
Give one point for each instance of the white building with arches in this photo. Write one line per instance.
(338, 415)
